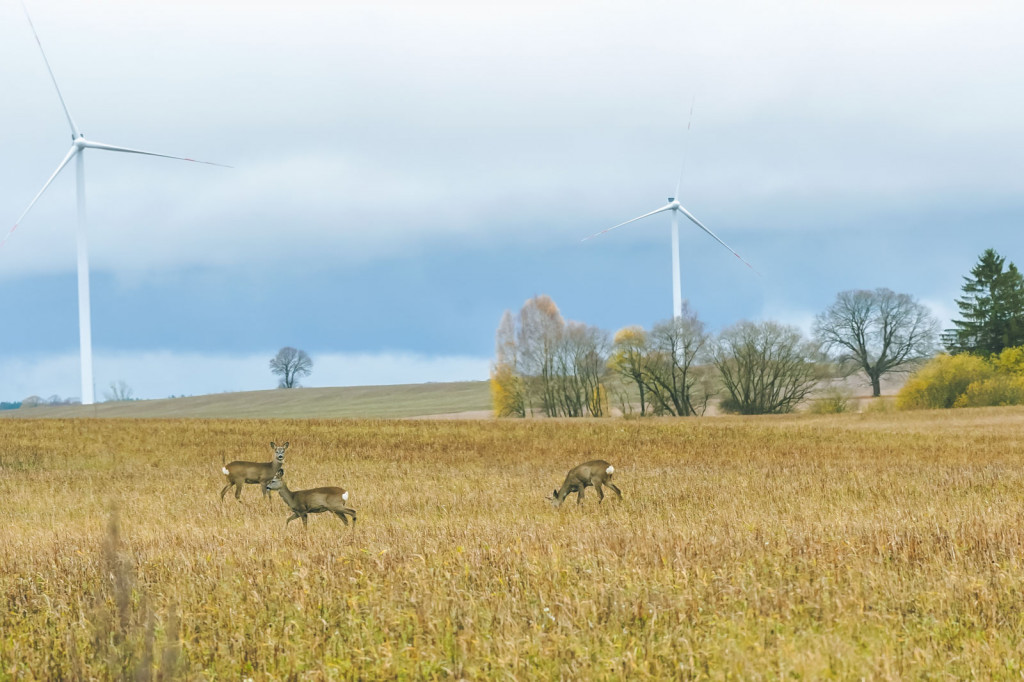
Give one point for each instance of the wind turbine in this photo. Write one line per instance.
(79, 144)
(676, 208)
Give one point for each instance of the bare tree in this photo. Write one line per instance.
(290, 364)
(541, 327)
(119, 391)
(766, 368)
(542, 361)
(580, 358)
(877, 332)
(672, 375)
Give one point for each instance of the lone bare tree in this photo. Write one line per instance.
(290, 364)
(877, 332)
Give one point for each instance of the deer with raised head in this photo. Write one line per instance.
(240, 473)
(594, 474)
(312, 501)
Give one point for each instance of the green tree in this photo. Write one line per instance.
(992, 309)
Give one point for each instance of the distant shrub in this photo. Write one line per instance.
(940, 382)
(832, 401)
(1001, 389)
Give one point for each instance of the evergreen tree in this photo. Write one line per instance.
(992, 309)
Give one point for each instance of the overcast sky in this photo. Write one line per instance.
(405, 172)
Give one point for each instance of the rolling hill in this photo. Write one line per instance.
(410, 400)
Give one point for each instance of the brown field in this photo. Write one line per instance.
(880, 545)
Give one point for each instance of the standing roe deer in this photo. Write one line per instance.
(313, 501)
(595, 473)
(239, 473)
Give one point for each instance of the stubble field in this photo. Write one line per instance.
(883, 546)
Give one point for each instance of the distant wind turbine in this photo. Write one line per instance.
(78, 146)
(676, 208)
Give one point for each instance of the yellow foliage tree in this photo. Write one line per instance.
(1001, 389)
(942, 381)
(628, 359)
(1010, 360)
(507, 397)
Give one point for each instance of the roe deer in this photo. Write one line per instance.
(313, 501)
(239, 473)
(595, 473)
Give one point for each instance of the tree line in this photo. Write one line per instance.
(548, 366)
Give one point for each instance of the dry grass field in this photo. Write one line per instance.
(884, 546)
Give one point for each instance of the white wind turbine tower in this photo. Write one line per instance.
(676, 208)
(79, 144)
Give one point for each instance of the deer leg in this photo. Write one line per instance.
(305, 520)
(351, 512)
(600, 493)
(291, 518)
(238, 491)
(579, 494)
(615, 488)
(222, 492)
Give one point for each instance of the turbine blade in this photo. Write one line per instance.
(114, 148)
(74, 129)
(682, 169)
(715, 237)
(70, 155)
(666, 207)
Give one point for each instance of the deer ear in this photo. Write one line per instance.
(285, 444)
(272, 444)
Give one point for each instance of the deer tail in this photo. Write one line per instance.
(610, 470)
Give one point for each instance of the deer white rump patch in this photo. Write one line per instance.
(225, 470)
(610, 470)
(344, 496)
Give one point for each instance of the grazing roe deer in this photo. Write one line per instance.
(239, 473)
(313, 501)
(595, 473)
